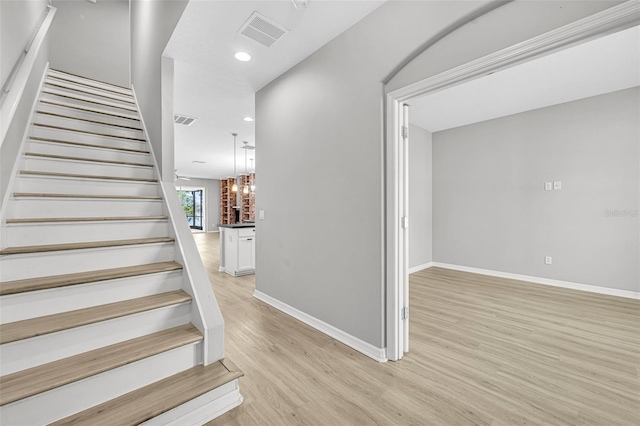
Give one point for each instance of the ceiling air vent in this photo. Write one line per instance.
(183, 119)
(262, 30)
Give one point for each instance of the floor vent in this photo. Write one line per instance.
(262, 30)
(183, 119)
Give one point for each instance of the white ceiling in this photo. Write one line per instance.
(600, 66)
(211, 85)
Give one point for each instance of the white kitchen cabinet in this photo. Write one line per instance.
(238, 250)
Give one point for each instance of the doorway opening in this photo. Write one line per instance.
(192, 201)
(398, 222)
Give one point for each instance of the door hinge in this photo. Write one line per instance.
(404, 313)
(405, 132)
(404, 222)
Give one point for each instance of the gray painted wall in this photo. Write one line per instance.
(21, 19)
(420, 199)
(92, 40)
(211, 197)
(490, 209)
(18, 22)
(152, 24)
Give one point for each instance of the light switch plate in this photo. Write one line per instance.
(261, 214)
(557, 185)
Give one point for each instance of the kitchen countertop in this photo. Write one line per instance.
(238, 225)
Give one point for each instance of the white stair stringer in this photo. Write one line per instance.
(88, 224)
(69, 399)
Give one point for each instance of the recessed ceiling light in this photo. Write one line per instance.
(242, 56)
(248, 119)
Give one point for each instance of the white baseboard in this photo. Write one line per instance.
(213, 232)
(420, 267)
(378, 354)
(545, 281)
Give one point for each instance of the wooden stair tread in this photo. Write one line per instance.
(87, 109)
(96, 196)
(86, 99)
(68, 85)
(88, 132)
(150, 401)
(87, 120)
(87, 78)
(56, 281)
(87, 145)
(83, 245)
(83, 176)
(42, 378)
(83, 219)
(91, 160)
(33, 327)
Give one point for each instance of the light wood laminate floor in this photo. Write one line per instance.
(484, 350)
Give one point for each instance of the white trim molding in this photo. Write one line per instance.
(421, 267)
(546, 281)
(378, 354)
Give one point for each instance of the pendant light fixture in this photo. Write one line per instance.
(245, 189)
(234, 188)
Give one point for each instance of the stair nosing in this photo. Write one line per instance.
(65, 86)
(84, 219)
(80, 176)
(162, 341)
(96, 196)
(93, 86)
(86, 120)
(68, 320)
(86, 109)
(68, 96)
(88, 78)
(184, 379)
(90, 160)
(87, 245)
(86, 145)
(78, 278)
(68, 129)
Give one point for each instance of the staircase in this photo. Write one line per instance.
(100, 321)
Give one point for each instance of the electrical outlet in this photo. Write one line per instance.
(261, 215)
(548, 260)
(548, 186)
(557, 185)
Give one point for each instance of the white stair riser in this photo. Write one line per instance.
(96, 116)
(22, 306)
(87, 126)
(74, 397)
(70, 136)
(27, 353)
(53, 148)
(87, 97)
(86, 89)
(88, 82)
(85, 103)
(86, 167)
(33, 234)
(69, 207)
(60, 185)
(202, 409)
(20, 266)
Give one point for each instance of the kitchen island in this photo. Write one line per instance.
(238, 248)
